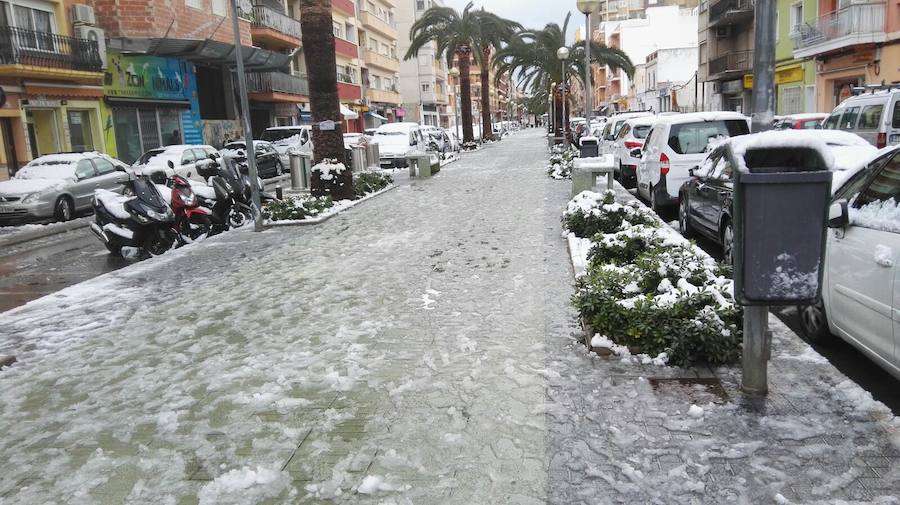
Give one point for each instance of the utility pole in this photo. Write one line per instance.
(245, 119)
(756, 318)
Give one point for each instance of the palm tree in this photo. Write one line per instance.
(493, 33)
(318, 41)
(454, 33)
(532, 55)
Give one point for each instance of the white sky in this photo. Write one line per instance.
(531, 13)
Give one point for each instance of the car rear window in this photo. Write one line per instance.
(640, 132)
(848, 120)
(895, 123)
(870, 117)
(693, 138)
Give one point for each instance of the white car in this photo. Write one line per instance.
(287, 138)
(184, 157)
(631, 136)
(455, 144)
(859, 292)
(397, 140)
(613, 125)
(874, 116)
(677, 144)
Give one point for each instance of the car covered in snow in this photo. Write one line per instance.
(57, 187)
(705, 200)
(397, 140)
(859, 291)
(811, 121)
(185, 158)
(268, 161)
(289, 138)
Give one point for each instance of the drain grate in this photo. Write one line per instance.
(698, 390)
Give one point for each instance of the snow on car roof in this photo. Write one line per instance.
(64, 158)
(397, 127)
(841, 138)
(292, 127)
(691, 117)
(808, 115)
(642, 120)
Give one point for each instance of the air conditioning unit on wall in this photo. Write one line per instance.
(95, 34)
(723, 32)
(83, 15)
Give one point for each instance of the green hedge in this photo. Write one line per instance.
(292, 209)
(370, 182)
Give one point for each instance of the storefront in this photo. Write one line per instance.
(795, 87)
(838, 75)
(152, 102)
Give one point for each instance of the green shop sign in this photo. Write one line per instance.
(150, 77)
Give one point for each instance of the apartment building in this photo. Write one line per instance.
(347, 59)
(726, 54)
(667, 81)
(423, 80)
(852, 43)
(795, 78)
(378, 36)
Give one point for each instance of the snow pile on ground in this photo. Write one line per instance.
(244, 486)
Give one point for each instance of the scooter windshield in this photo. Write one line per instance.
(146, 192)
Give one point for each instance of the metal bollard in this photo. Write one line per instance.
(372, 162)
(279, 193)
(358, 158)
(296, 170)
(305, 170)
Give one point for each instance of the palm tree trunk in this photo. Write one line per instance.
(487, 130)
(465, 90)
(318, 49)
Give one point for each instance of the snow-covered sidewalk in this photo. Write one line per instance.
(418, 349)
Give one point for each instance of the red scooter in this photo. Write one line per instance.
(192, 221)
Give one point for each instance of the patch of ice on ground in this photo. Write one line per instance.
(244, 486)
(695, 412)
(372, 484)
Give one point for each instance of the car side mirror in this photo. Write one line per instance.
(693, 171)
(636, 153)
(170, 164)
(185, 162)
(838, 215)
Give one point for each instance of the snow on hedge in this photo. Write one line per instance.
(562, 161)
(328, 169)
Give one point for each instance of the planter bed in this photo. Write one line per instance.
(328, 213)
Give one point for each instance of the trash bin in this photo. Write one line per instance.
(781, 209)
(373, 156)
(305, 170)
(590, 147)
(358, 158)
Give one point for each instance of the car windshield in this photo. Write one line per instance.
(147, 156)
(693, 138)
(276, 135)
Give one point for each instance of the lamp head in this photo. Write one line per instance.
(562, 53)
(587, 6)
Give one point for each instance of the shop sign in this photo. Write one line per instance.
(43, 102)
(151, 77)
(782, 76)
(327, 125)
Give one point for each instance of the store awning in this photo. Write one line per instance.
(377, 116)
(204, 51)
(348, 113)
(146, 102)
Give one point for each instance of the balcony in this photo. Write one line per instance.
(345, 6)
(29, 53)
(383, 96)
(734, 63)
(273, 28)
(348, 91)
(373, 59)
(730, 12)
(276, 87)
(850, 26)
(374, 23)
(346, 48)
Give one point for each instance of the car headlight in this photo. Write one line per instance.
(33, 197)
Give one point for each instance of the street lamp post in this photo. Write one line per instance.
(587, 7)
(245, 119)
(563, 54)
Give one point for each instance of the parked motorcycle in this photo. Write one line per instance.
(143, 220)
(233, 176)
(192, 220)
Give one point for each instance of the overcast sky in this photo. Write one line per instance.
(531, 13)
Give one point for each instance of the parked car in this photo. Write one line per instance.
(436, 135)
(613, 125)
(185, 157)
(455, 143)
(706, 199)
(284, 138)
(812, 121)
(674, 145)
(861, 257)
(874, 116)
(56, 187)
(353, 139)
(268, 161)
(397, 140)
(631, 136)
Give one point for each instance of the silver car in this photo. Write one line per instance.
(58, 186)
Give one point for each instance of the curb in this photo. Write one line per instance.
(51, 229)
(318, 220)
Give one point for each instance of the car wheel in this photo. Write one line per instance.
(279, 168)
(728, 243)
(814, 323)
(684, 219)
(64, 210)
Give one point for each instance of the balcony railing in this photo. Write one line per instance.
(42, 49)
(738, 61)
(347, 78)
(276, 82)
(264, 17)
(725, 10)
(856, 19)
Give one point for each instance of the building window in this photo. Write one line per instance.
(796, 18)
(197, 4)
(792, 100)
(220, 7)
(376, 82)
(350, 30)
(420, 5)
(34, 20)
(338, 30)
(426, 87)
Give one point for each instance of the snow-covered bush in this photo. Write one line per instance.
(646, 287)
(291, 209)
(328, 169)
(469, 146)
(562, 161)
(370, 182)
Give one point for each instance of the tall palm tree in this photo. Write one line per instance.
(318, 42)
(454, 33)
(493, 32)
(532, 56)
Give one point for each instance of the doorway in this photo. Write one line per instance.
(42, 132)
(9, 146)
(80, 130)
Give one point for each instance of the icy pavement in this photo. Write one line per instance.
(419, 348)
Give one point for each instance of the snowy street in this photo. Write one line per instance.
(418, 348)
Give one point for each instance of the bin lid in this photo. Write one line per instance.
(781, 151)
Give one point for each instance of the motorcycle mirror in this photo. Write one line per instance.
(170, 164)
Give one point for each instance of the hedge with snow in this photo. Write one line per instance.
(562, 161)
(648, 288)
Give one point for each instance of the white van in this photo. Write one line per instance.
(397, 140)
(676, 144)
(284, 138)
(874, 116)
